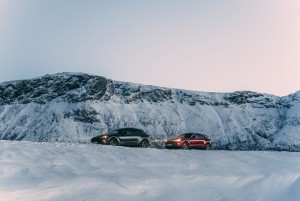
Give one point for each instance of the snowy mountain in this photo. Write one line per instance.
(73, 107)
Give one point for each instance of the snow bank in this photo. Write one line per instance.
(61, 171)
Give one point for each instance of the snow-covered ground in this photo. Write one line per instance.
(60, 171)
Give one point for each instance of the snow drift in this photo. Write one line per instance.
(38, 171)
(73, 107)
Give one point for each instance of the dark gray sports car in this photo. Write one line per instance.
(125, 137)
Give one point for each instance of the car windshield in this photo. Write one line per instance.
(186, 135)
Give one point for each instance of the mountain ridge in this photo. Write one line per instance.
(77, 106)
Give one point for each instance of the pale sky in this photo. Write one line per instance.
(201, 45)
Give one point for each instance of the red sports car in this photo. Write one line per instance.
(189, 140)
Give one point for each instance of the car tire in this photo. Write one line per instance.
(208, 146)
(145, 144)
(113, 142)
(185, 145)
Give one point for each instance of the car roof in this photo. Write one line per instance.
(128, 128)
(193, 133)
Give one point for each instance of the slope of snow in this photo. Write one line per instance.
(69, 171)
(73, 107)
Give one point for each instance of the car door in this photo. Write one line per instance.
(196, 140)
(200, 140)
(128, 137)
(193, 140)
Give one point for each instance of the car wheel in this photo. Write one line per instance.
(145, 144)
(113, 142)
(185, 145)
(208, 146)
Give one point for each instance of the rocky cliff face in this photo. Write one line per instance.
(75, 107)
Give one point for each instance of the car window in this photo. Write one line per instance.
(127, 132)
(202, 136)
(199, 136)
(195, 136)
(186, 135)
(118, 131)
(134, 131)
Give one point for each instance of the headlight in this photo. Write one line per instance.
(104, 137)
(177, 140)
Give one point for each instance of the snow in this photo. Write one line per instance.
(76, 172)
(73, 107)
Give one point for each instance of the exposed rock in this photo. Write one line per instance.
(76, 106)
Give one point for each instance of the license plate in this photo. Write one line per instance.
(169, 144)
